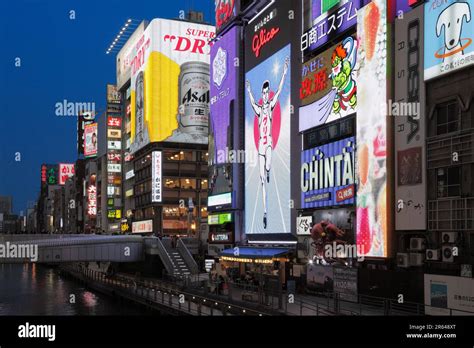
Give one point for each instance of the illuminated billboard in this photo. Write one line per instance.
(92, 198)
(329, 22)
(90, 140)
(170, 84)
(328, 89)
(224, 91)
(449, 35)
(327, 174)
(372, 196)
(113, 95)
(268, 117)
(410, 132)
(225, 11)
(267, 143)
(49, 174)
(126, 54)
(66, 171)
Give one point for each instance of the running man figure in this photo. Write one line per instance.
(264, 113)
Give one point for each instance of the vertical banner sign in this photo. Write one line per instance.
(90, 140)
(372, 223)
(170, 84)
(156, 185)
(224, 89)
(92, 200)
(410, 152)
(267, 120)
(449, 36)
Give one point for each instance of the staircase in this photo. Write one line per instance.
(183, 265)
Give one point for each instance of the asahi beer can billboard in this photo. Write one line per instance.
(410, 151)
(170, 84)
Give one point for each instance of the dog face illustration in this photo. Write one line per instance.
(452, 19)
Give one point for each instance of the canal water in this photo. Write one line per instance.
(30, 289)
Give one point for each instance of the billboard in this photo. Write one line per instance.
(66, 171)
(267, 143)
(448, 295)
(113, 95)
(449, 35)
(90, 140)
(126, 54)
(49, 174)
(83, 120)
(328, 90)
(410, 172)
(224, 91)
(225, 11)
(268, 116)
(145, 226)
(327, 174)
(170, 84)
(156, 177)
(372, 223)
(331, 24)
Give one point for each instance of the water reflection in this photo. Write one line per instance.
(30, 289)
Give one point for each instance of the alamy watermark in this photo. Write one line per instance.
(19, 251)
(68, 108)
(400, 108)
(344, 251)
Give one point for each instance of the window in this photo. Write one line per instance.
(447, 118)
(179, 155)
(204, 184)
(449, 182)
(171, 183)
(188, 184)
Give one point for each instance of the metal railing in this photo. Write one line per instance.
(187, 257)
(164, 294)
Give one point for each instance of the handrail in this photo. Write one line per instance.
(187, 257)
(165, 257)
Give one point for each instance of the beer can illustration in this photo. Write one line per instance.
(194, 85)
(140, 108)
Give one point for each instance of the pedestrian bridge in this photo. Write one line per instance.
(71, 248)
(56, 248)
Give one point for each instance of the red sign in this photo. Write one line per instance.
(43, 173)
(115, 157)
(114, 122)
(262, 38)
(345, 193)
(314, 83)
(224, 10)
(65, 172)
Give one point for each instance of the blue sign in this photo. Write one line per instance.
(327, 174)
(329, 25)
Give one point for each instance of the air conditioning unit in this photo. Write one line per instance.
(433, 254)
(417, 244)
(449, 237)
(402, 260)
(416, 259)
(447, 253)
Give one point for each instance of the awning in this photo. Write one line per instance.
(254, 255)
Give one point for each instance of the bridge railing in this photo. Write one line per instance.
(167, 294)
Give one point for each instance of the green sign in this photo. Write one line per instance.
(328, 4)
(219, 219)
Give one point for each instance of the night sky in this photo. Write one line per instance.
(60, 59)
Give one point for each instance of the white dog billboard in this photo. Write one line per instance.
(449, 34)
